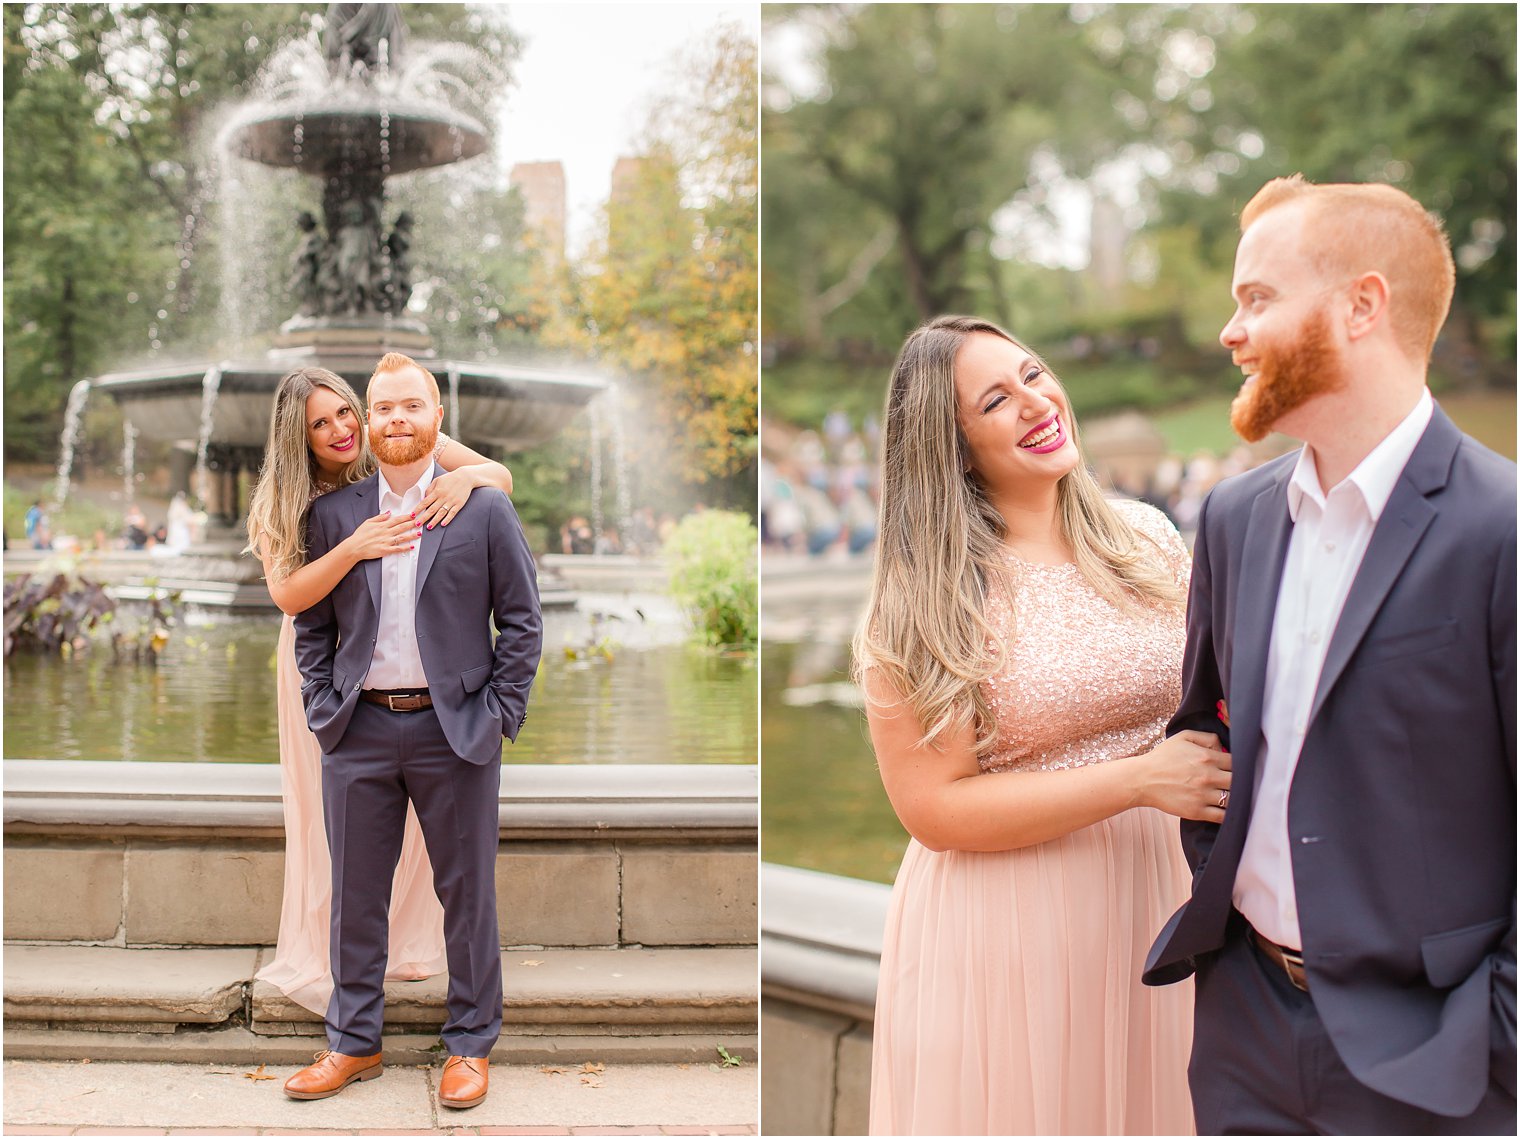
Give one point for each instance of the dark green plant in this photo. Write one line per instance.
(711, 555)
(63, 613)
(53, 615)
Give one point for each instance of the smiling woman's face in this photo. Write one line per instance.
(332, 430)
(1015, 416)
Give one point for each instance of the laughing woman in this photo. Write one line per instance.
(317, 444)
(1021, 654)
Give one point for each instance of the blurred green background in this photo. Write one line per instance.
(1075, 173)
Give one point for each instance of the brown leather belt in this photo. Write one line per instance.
(1290, 961)
(397, 701)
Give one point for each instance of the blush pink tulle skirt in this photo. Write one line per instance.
(300, 968)
(1010, 1000)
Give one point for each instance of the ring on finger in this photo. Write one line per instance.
(1224, 799)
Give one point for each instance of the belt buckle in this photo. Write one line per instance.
(1293, 965)
(390, 702)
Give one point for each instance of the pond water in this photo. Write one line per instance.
(824, 804)
(659, 699)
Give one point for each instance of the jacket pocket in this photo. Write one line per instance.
(475, 679)
(1409, 642)
(461, 545)
(1451, 957)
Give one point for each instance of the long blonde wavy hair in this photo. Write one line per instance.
(940, 546)
(288, 479)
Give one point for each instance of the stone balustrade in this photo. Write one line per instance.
(140, 899)
(820, 950)
(179, 854)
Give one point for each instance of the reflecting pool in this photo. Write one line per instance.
(650, 697)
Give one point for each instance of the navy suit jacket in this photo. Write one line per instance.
(475, 569)
(1401, 814)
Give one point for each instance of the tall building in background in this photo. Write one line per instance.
(625, 172)
(542, 185)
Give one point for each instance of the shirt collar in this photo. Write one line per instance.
(1375, 475)
(419, 488)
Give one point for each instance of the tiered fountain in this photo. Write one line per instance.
(364, 120)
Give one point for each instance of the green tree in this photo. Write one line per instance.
(1421, 96)
(109, 191)
(668, 298)
(927, 119)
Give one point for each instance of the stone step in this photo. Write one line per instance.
(101, 991)
(234, 1044)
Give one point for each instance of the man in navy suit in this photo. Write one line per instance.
(410, 694)
(1352, 621)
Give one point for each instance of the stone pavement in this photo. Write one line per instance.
(104, 1098)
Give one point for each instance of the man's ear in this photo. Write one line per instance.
(1369, 296)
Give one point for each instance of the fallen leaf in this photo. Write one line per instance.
(530, 962)
(257, 1074)
(590, 1081)
(683, 1067)
(593, 1066)
(553, 1071)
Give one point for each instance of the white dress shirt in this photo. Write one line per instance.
(397, 663)
(1330, 536)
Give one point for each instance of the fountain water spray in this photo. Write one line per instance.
(614, 399)
(596, 475)
(73, 420)
(128, 462)
(453, 403)
(210, 384)
(385, 110)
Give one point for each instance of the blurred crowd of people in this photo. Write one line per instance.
(180, 529)
(643, 536)
(819, 490)
(1178, 486)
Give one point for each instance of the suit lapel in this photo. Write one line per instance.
(1254, 604)
(1403, 523)
(363, 503)
(1261, 567)
(427, 549)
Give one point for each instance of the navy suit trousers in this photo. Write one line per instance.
(1263, 1063)
(384, 759)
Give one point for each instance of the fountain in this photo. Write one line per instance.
(361, 111)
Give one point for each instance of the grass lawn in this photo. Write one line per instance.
(1488, 417)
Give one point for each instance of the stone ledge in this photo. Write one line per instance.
(572, 990)
(624, 992)
(100, 985)
(233, 1044)
(635, 799)
(821, 938)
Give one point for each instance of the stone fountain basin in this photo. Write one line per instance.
(349, 135)
(501, 405)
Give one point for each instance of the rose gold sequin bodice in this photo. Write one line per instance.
(1083, 681)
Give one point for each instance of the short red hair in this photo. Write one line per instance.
(1352, 228)
(394, 362)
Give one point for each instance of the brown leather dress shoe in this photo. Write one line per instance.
(464, 1081)
(332, 1072)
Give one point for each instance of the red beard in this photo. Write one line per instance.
(1287, 377)
(400, 452)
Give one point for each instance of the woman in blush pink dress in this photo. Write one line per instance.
(1021, 654)
(316, 444)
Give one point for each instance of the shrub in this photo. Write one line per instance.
(711, 556)
(61, 614)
